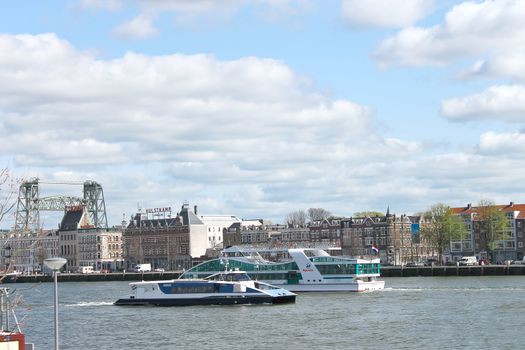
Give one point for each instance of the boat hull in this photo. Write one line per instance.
(332, 287)
(214, 300)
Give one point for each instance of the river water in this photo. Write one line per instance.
(411, 313)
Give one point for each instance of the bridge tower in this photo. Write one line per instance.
(94, 199)
(27, 214)
(30, 204)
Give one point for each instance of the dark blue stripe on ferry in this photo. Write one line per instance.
(184, 287)
(215, 300)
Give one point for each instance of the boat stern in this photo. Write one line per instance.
(369, 286)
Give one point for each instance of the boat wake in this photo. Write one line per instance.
(90, 303)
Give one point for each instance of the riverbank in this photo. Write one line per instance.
(94, 277)
(386, 271)
(437, 271)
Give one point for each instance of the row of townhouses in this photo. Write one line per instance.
(176, 241)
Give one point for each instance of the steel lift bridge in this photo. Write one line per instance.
(30, 204)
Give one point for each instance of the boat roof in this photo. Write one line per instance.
(207, 279)
(251, 249)
(251, 254)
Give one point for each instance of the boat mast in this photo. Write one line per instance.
(4, 309)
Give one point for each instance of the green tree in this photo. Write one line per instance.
(491, 224)
(442, 225)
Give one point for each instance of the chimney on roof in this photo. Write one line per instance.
(469, 206)
(195, 209)
(511, 204)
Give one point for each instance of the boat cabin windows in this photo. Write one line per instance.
(185, 287)
(221, 264)
(339, 269)
(231, 277)
(193, 289)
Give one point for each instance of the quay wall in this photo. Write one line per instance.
(95, 277)
(436, 271)
(386, 271)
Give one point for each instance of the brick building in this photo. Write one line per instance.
(326, 232)
(396, 237)
(511, 247)
(163, 241)
(82, 244)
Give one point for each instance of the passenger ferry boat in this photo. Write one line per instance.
(222, 288)
(306, 270)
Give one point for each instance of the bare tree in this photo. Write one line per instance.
(362, 214)
(316, 214)
(7, 192)
(296, 218)
(7, 202)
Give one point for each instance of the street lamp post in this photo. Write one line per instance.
(55, 264)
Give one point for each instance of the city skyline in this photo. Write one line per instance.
(261, 108)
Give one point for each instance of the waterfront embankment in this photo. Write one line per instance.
(437, 271)
(94, 277)
(386, 271)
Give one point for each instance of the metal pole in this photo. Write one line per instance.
(7, 304)
(1, 310)
(56, 310)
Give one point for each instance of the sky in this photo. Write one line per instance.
(258, 108)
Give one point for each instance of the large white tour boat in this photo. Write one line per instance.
(305, 270)
(222, 288)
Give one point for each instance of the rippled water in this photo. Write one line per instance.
(413, 313)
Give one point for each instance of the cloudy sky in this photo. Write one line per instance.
(262, 107)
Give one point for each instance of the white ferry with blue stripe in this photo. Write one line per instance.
(305, 270)
(222, 288)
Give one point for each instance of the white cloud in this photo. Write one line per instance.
(385, 13)
(470, 28)
(505, 102)
(510, 143)
(66, 152)
(158, 130)
(140, 27)
(507, 65)
(204, 128)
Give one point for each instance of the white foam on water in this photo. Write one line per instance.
(90, 303)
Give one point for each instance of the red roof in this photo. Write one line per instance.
(503, 207)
